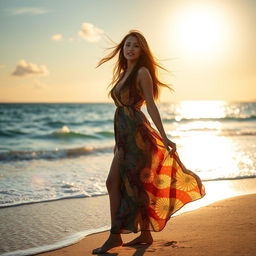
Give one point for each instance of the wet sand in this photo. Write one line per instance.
(226, 227)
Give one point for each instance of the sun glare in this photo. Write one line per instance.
(201, 109)
(200, 30)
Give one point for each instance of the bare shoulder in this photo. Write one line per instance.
(143, 72)
(144, 77)
(146, 84)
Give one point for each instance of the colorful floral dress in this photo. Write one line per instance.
(154, 184)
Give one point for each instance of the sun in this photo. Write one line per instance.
(200, 30)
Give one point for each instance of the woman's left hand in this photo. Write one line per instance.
(168, 143)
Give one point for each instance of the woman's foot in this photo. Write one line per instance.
(113, 241)
(145, 238)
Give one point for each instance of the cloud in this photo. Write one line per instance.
(57, 37)
(24, 68)
(26, 10)
(90, 33)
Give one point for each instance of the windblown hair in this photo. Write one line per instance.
(146, 59)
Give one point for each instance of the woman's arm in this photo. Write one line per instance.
(146, 84)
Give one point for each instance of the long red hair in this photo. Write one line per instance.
(146, 59)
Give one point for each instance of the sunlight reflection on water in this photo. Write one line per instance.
(201, 109)
(214, 148)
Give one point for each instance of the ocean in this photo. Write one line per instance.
(54, 151)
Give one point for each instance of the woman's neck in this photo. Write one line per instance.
(130, 65)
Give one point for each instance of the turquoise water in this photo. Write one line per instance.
(53, 151)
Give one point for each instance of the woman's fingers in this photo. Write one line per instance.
(168, 143)
(171, 152)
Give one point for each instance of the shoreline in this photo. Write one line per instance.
(209, 228)
(95, 196)
(69, 218)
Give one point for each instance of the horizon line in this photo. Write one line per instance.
(99, 102)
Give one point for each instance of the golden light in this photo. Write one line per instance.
(200, 30)
(202, 141)
(201, 109)
(214, 156)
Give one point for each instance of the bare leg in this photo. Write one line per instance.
(113, 186)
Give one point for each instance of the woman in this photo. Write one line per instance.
(147, 182)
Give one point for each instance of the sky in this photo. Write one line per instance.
(49, 49)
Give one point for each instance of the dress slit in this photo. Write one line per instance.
(154, 184)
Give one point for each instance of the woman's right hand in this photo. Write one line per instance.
(168, 143)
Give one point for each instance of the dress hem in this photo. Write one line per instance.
(152, 230)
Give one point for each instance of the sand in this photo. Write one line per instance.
(226, 227)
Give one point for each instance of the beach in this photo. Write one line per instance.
(226, 227)
(68, 224)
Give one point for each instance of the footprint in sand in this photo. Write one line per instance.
(172, 244)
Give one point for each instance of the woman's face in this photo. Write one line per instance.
(131, 48)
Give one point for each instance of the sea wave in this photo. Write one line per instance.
(238, 133)
(58, 123)
(217, 131)
(63, 133)
(52, 154)
(220, 119)
(49, 200)
(11, 133)
(17, 155)
(95, 194)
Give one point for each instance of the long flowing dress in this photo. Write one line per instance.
(154, 183)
